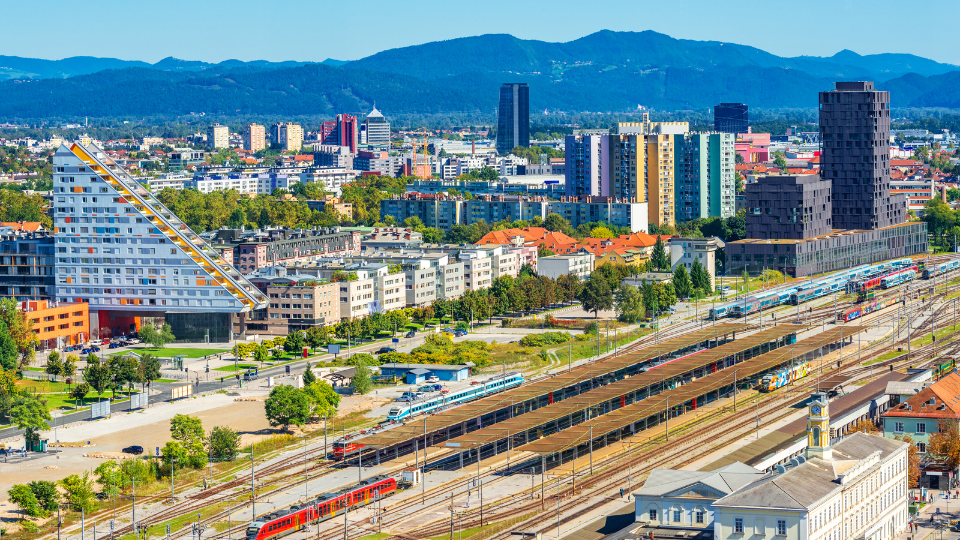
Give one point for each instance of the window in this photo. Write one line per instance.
(921, 427)
(921, 447)
(699, 515)
(676, 515)
(898, 427)
(781, 527)
(738, 525)
(652, 514)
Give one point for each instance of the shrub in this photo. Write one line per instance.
(546, 338)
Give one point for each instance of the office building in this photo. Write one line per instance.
(730, 118)
(513, 117)
(288, 136)
(254, 137)
(218, 136)
(705, 175)
(794, 207)
(330, 179)
(27, 264)
(434, 210)
(376, 129)
(327, 155)
(342, 131)
(606, 209)
(251, 250)
(130, 258)
(184, 158)
(378, 162)
(855, 156)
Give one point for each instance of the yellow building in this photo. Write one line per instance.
(254, 137)
(660, 179)
(288, 136)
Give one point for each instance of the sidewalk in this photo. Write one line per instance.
(929, 520)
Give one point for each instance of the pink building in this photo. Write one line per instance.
(753, 147)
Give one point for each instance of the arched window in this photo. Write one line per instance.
(816, 436)
(700, 515)
(653, 512)
(677, 514)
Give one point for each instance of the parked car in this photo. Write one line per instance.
(96, 343)
(133, 341)
(433, 379)
(384, 350)
(135, 450)
(459, 333)
(412, 333)
(115, 345)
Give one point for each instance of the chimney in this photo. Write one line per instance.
(943, 193)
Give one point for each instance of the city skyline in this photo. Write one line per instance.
(685, 19)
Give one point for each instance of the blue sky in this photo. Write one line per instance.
(343, 29)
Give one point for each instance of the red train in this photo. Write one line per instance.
(861, 287)
(324, 507)
(343, 449)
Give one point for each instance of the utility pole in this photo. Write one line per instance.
(253, 484)
(423, 483)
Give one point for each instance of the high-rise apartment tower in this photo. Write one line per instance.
(254, 137)
(855, 156)
(218, 136)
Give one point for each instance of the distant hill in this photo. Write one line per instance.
(503, 53)
(605, 71)
(16, 67)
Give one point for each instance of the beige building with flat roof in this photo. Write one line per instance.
(254, 137)
(218, 136)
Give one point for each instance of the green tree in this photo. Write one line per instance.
(123, 371)
(681, 281)
(294, 343)
(543, 251)
(557, 223)
(261, 353)
(8, 349)
(628, 303)
(318, 336)
(79, 392)
(738, 159)
(186, 429)
(97, 374)
(323, 399)
(22, 496)
(739, 183)
(224, 443)
(54, 365)
(780, 161)
(69, 368)
(601, 232)
(78, 491)
(47, 495)
(287, 405)
(659, 257)
(700, 278)
(31, 415)
(362, 381)
(148, 369)
(596, 296)
(308, 376)
(158, 338)
(277, 353)
(110, 477)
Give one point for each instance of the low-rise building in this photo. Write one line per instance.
(928, 411)
(183, 158)
(57, 324)
(579, 264)
(254, 184)
(297, 302)
(684, 251)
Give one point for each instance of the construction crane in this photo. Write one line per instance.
(425, 171)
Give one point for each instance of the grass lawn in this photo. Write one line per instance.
(170, 380)
(28, 368)
(926, 339)
(170, 352)
(57, 394)
(239, 367)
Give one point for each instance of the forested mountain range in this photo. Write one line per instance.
(605, 71)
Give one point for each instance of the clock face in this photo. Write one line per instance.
(815, 410)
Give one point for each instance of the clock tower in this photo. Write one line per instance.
(818, 427)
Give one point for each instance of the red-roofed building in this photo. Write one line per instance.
(25, 226)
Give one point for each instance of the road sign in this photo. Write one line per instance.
(396, 340)
(333, 348)
(158, 451)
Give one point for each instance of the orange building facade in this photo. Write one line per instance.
(58, 324)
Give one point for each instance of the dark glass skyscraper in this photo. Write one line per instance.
(730, 118)
(513, 117)
(855, 156)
